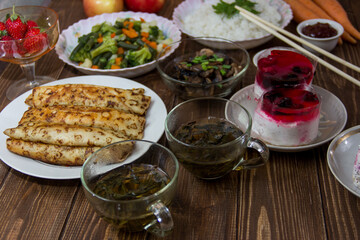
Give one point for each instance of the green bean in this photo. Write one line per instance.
(127, 46)
(76, 50)
(90, 43)
(102, 63)
(140, 42)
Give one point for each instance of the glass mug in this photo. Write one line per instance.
(210, 137)
(131, 183)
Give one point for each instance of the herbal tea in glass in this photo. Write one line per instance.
(129, 182)
(206, 157)
(132, 194)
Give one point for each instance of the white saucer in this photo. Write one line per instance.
(332, 121)
(341, 156)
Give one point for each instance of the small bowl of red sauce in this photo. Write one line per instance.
(323, 33)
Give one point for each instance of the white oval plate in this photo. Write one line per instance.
(332, 121)
(188, 6)
(68, 40)
(341, 157)
(12, 113)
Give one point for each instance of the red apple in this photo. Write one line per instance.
(150, 6)
(95, 7)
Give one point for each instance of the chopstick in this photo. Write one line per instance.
(273, 30)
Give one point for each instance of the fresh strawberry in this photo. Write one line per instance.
(6, 46)
(35, 41)
(31, 24)
(32, 32)
(15, 26)
(3, 31)
(2, 26)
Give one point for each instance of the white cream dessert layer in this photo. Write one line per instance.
(287, 117)
(284, 134)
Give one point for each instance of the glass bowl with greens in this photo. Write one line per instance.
(123, 44)
(194, 70)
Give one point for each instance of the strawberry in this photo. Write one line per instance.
(6, 46)
(31, 24)
(15, 26)
(35, 40)
(3, 31)
(32, 32)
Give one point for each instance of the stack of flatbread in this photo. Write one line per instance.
(67, 123)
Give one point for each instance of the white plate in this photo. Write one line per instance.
(341, 157)
(188, 6)
(68, 40)
(12, 113)
(332, 121)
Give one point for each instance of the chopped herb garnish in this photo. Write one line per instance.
(229, 10)
(226, 66)
(223, 72)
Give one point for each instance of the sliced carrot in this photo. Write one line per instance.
(153, 45)
(145, 34)
(120, 50)
(118, 60)
(130, 33)
(142, 20)
(95, 67)
(115, 67)
(100, 39)
(338, 13)
(113, 35)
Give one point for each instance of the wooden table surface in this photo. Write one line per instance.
(295, 196)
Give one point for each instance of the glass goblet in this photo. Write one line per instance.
(27, 50)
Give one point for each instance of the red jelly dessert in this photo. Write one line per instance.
(282, 68)
(287, 116)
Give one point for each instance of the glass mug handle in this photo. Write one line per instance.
(163, 224)
(262, 152)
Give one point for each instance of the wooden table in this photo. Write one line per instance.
(294, 196)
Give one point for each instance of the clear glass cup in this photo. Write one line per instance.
(24, 52)
(210, 137)
(132, 194)
(282, 67)
(287, 116)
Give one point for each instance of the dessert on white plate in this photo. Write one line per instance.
(287, 116)
(282, 68)
(356, 171)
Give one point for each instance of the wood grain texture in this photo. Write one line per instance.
(295, 196)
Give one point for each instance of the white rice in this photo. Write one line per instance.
(204, 22)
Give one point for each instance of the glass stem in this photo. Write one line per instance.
(29, 71)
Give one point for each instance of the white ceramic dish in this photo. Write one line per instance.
(332, 121)
(327, 44)
(68, 40)
(188, 6)
(341, 156)
(12, 113)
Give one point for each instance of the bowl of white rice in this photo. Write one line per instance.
(197, 18)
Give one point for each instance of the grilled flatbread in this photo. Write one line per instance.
(66, 135)
(128, 100)
(59, 155)
(125, 125)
